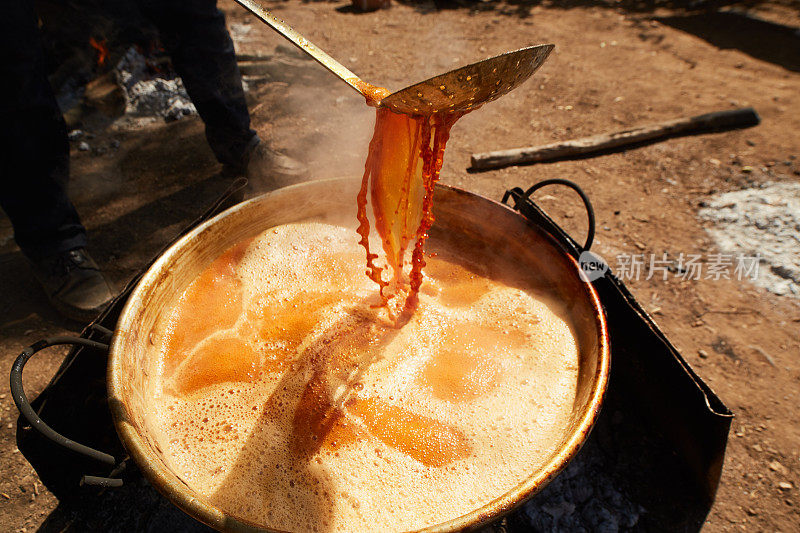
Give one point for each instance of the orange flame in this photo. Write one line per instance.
(102, 50)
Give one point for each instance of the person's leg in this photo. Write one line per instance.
(34, 170)
(34, 150)
(194, 34)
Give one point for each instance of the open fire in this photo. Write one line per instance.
(101, 45)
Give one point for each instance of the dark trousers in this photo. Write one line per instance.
(34, 150)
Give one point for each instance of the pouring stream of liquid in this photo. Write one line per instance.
(403, 165)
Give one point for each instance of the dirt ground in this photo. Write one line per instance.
(616, 65)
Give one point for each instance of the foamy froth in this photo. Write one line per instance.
(289, 401)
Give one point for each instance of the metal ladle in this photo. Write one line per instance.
(456, 91)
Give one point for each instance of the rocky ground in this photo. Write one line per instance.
(616, 65)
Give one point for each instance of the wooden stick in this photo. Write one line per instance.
(736, 118)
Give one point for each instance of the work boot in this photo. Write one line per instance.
(74, 283)
(268, 169)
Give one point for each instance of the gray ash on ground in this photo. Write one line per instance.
(762, 221)
(151, 94)
(584, 497)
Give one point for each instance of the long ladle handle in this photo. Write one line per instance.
(302, 43)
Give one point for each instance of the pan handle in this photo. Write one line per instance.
(25, 408)
(518, 194)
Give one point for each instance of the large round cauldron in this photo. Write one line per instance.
(134, 354)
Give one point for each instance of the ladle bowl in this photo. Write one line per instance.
(468, 87)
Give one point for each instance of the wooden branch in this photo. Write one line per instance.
(736, 118)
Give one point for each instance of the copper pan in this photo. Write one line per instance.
(134, 348)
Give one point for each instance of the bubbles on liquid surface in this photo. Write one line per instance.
(306, 392)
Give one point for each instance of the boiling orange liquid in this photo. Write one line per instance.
(282, 386)
(403, 165)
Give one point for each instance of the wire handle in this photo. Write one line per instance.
(25, 408)
(519, 195)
